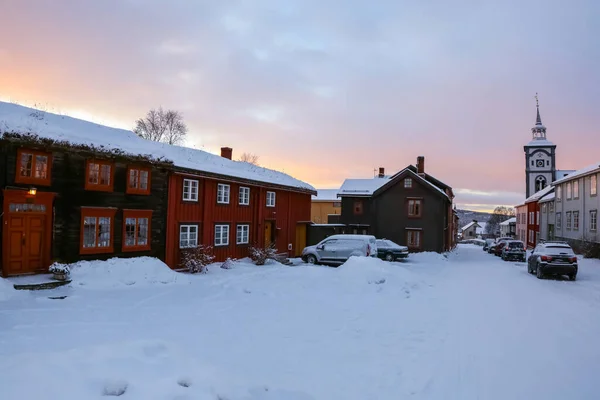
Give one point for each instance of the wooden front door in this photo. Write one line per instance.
(300, 239)
(26, 232)
(26, 244)
(268, 233)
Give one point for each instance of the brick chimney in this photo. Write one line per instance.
(381, 172)
(226, 152)
(420, 165)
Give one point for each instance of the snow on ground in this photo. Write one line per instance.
(466, 326)
(121, 272)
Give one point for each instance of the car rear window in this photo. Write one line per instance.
(561, 249)
(515, 245)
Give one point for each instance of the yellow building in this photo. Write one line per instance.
(325, 203)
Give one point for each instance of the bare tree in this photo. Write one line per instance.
(501, 214)
(249, 158)
(162, 126)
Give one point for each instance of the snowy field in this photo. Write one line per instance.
(469, 326)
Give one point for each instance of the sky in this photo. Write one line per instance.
(326, 90)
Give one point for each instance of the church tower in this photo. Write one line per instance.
(540, 158)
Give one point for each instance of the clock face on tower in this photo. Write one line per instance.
(540, 163)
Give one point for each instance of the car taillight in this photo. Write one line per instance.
(573, 259)
(546, 258)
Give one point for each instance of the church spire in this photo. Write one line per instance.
(538, 120)
(539, 130)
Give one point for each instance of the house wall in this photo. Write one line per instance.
(584, 204)
(532, 223)
(366, 218)
(470, 233)
(320, 210)
(291, 209)
(393, 221)
(521, 225)
(68, 182)
(547, 220)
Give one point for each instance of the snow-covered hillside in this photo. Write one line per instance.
(15, 118)
(465, 327)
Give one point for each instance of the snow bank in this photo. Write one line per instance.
(7, 290)
(120, 272)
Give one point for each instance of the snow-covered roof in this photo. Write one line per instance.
(538, 195)
(362, 187)
(540, 143)
(548, 197)
(326, 195)
(509, 221)
(18, 119)
(590, 169)
(469, 225)
(561, 173)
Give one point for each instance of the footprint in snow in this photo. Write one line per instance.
(184, 382)
(115, 388)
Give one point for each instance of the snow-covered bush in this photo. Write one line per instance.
(260, 255)
(58, 268)
(228, 264)
(196, 259)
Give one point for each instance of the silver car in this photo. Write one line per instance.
(337, 249)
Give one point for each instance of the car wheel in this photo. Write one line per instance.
(389, 257)
(538, 272)
(310, 259)
(573, 277)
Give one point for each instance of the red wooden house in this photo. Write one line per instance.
(533, 216)
(233, 212)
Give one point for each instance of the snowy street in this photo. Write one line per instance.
(469, 326)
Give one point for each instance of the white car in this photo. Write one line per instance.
(337, 249)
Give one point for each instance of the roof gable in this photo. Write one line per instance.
(406, 172)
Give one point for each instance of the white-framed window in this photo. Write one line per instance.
(558, 193)
(537, 217)
(244, 197)
(576, 220)
(407, 182)
(413, 238)
(221, 235)
(569, 191)
(190, 190)
(223, 193)
(270, 199)
(593, 220)
(558, 220)
(568, 219)
(531, 218)
(531, 236)
(188, 236)
(594, 185)
(576, 189)
(551, 206)
(243, 234)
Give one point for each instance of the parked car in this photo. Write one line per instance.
(337, 249)
(553, 258)
(390, 251)
(488, 243)
(513, 250)
(499, 246)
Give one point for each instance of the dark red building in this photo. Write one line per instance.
(232, 213)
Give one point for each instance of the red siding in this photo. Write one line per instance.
(534, 208)
(290, 208)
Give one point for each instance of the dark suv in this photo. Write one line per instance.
(553, 258)
(513, 250)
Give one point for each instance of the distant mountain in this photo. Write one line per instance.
(466, 216)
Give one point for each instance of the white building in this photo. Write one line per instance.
(508, 227)
(576, 206)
